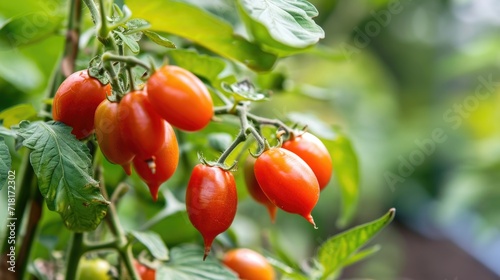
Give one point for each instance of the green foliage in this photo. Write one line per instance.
(63, 167)
(186, 263)
(346, 167)
(14, 115)
(339, 250)
(5, 162)
(27, 29)
(153, 243)
(361, 255)
(282, 27)
(202, 28)
(158, 39)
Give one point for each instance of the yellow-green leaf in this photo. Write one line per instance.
(339, 250)
(14, 115)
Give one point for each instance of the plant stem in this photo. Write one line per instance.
(241, 112)
(129, 60)
(75, 253)
(99, 20)
(34, 217)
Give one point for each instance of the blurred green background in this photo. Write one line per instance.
(415, 85)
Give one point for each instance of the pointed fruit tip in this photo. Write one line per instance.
(208, 245)
(153, 189)
(310, 219)
(127, 167)
(272, 209)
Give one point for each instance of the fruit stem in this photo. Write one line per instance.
(129, 60)
(246, 128)
(274, 122)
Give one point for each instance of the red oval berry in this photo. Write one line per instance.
(309, 148)
(211, 201)
(248, 264)
(287, 181)
(180, 98)
(161, 166)
(255, 190)
(76, 100)
(141, 127)
(109, 136)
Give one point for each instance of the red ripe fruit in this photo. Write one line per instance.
(180, 98)
(141, 127)
(76, 100)
(255, 190)
(211, 201)
(109, 137)
(309, 148)
(145, 272)
(164, 163)
(248, 264)
(287, 181)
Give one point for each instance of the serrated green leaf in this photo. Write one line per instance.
(96, 70)
(5, 162)
(14, 115)
(336, 251)
(129, 41)
(202, 28)
(282, 26)
(153, 243)
(159, 40)
(136, 25)
(346, 167)
(186, 263)
(202, 65)
(361, 255)
(26, 29)
(63, 167)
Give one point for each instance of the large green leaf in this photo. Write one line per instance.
(27, 29)
(282, 26)
(346, 167)
(340, 249)
(63, 167)
(199, 26)
(153, 243)
(5, 162)
(14, 115)
(186, 263)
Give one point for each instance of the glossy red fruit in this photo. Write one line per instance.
(141, 127)
(255, 190)
(287, 181)
(164, 166)
(180, 98)
(309, 148)
(76, 100)
(211, 201)
(109, 136)
(248, 264)
(145, 272)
